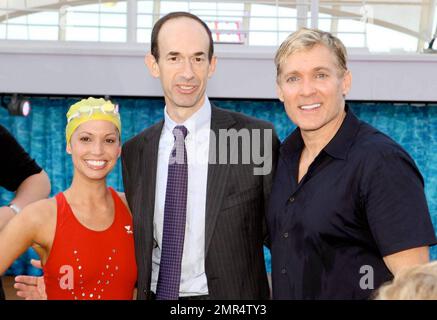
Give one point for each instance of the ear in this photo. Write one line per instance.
(279, 92)
(152, 65)
(68, 148)
(212, 65)
(119, 151)
(347, 83)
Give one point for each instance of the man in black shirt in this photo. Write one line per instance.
(347, 209)
(21, 174)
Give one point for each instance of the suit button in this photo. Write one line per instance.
(291, 199)
(286, 235)
(284, 271)
(145, 291)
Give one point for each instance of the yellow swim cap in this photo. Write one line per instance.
(91, 109)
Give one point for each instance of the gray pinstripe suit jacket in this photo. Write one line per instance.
(236, 201)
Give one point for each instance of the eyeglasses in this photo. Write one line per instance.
(105, 108)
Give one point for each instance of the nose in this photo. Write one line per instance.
(307, 87)
(187, 71)
(97, 148)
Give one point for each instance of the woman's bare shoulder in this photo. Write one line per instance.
(41, 210)
(123, 198)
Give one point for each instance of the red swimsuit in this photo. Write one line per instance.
(92, 265)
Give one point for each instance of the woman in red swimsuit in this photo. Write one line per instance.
(83, 235)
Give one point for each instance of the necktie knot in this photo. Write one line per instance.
(179, 132)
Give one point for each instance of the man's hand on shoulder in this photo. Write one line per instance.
(31, 287)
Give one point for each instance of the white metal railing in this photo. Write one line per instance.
(245, 22)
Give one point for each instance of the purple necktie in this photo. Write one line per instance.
(175, 211)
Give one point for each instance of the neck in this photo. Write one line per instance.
(87, 190)
(181, 114)
(316, 140)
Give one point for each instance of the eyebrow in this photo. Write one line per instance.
(316, 69)
(175, 53)
(92, 134)
(322, 69)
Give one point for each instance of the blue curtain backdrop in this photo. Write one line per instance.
(42, 134)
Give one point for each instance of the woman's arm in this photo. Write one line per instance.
(34, 188)
(21, 232)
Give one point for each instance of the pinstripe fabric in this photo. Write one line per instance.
(235, 212)
(2, 293)
(175, 212)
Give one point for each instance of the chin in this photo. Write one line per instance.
(187, 101)
(187, 104)
(309, 127)
(97, 177)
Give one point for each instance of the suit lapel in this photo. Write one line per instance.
(217, 173)
(149, 159)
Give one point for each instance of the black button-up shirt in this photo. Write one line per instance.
(361, 199)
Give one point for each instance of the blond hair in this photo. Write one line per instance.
(305, 39)
(416, 283)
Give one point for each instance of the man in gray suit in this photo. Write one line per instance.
(222, 255)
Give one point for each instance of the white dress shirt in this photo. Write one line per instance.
(193, 277)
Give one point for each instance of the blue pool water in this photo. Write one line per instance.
(415, 128)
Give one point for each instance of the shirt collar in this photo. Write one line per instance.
(293, 144)
(339, 145)
(199, 120)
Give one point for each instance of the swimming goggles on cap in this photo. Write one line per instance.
(105, 108)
